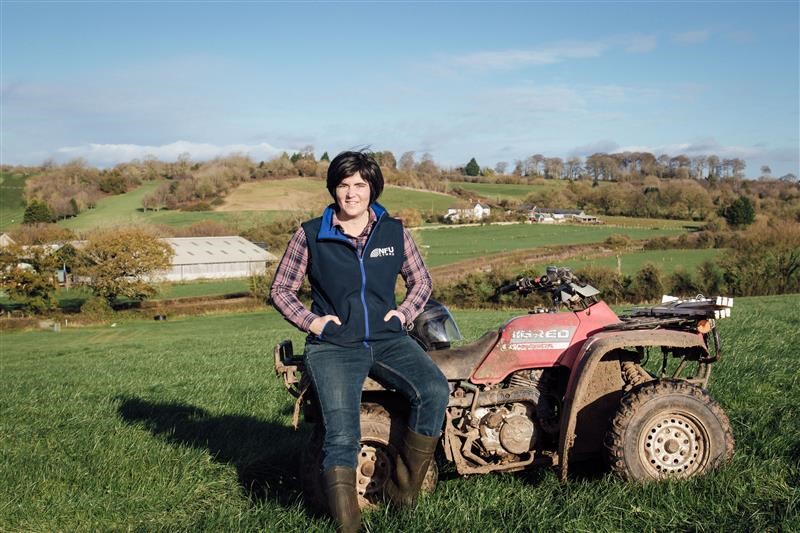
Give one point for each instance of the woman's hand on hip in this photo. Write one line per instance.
(318, 324)
(398, 314)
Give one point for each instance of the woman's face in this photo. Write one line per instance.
(352, 197)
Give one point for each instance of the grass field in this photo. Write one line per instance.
(12, 206)
(304, 194)
(447, 245)
(501, 191)
(667, 260)
(183, 426)
(127, 209)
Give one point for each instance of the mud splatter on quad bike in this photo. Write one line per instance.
(551, 387)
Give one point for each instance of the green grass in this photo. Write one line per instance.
(183, 426)
(396, 198)
(667, 260)
(653, 223)
(127, 209)
(12, 205)
(204, 288)
(457, 243)
(501, 191)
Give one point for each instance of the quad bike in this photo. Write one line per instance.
(556, 386)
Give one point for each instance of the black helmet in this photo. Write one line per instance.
(434, 328)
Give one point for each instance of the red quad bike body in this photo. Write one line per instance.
(551, 387)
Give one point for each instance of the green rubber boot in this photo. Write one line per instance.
(412, 463)
(340, 488)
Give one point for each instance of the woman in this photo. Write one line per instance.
(352, 255)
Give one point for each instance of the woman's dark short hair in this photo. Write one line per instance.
(346, 164)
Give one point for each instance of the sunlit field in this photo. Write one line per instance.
(182, 426)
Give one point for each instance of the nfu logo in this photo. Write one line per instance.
(382, 252)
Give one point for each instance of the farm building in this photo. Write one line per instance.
(476, 212)
(215, 257)
(541, 215)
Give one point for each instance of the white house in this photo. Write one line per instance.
(215, 257)
(476, 212)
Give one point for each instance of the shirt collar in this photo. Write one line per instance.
(335, 222)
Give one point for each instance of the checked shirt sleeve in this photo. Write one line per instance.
(288, 280)
(418, 280)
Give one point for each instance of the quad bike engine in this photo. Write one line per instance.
(507, 429)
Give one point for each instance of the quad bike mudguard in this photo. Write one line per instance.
(594, 387)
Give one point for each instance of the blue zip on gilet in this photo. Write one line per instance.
(359, 289)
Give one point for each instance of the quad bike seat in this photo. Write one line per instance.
(458, 363)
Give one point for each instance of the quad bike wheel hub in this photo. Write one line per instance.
(673, 445)
(372, 472)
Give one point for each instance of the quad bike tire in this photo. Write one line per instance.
(375, 461)
(668, 428)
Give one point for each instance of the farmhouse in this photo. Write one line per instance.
(215, 257)
(543, 215)
(476, 212)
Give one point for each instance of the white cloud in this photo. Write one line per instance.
(641, 43)
(692, 37)
(544, 55)
(104, 155)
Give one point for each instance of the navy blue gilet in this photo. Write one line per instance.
(359, 289)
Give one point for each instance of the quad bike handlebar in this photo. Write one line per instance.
(560, 282)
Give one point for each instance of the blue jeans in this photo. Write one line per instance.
(338, 374)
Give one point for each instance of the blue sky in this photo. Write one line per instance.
(495, 81)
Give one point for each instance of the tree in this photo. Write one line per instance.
(427, 166)
(501, 167)
(325, 157)
(740, 212)
(124, 263)
(573, 167)
(553, 167)
(37, 211)
(472, 168)
(406, 162)
(28, 276)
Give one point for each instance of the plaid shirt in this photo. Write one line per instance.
(294, 265)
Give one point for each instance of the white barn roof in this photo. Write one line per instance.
(205, 250)
(215, 257)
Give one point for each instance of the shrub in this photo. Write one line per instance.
(740, 212)
(97, 308)
(612, 286)
(710, 279)
(646, 285)
(681, 283)
(410, 217)
(764, 260)
(36, 212)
